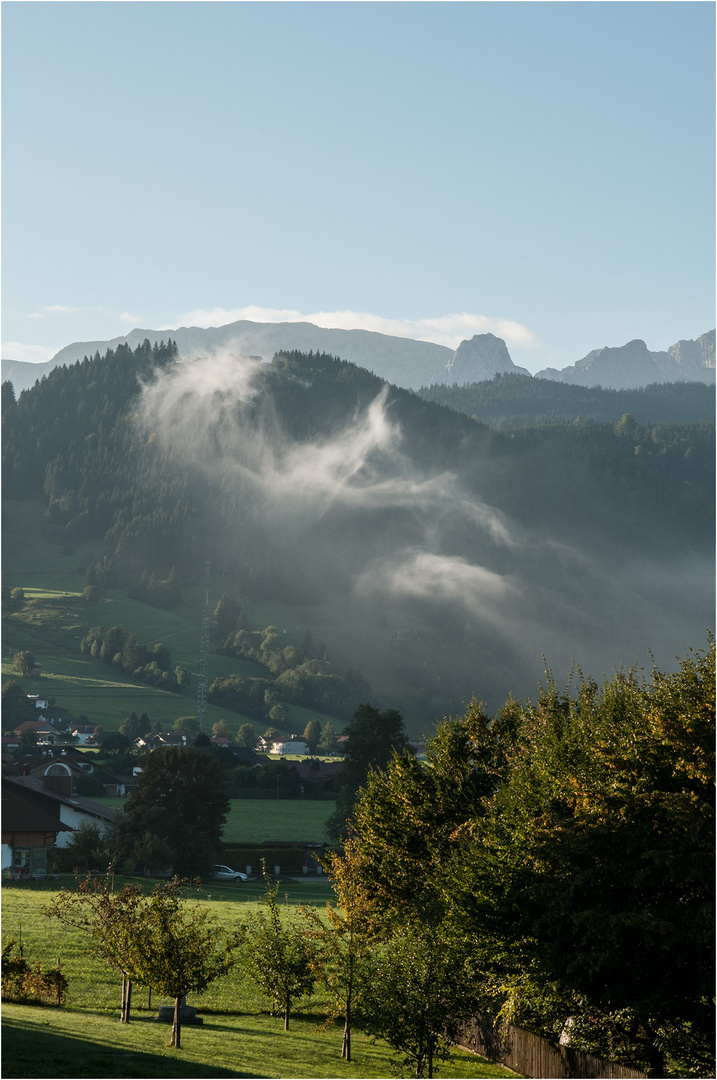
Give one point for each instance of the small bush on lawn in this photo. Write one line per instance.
(30, 985)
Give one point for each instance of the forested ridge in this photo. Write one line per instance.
(322, 480)
(510, 399)
(73, 440)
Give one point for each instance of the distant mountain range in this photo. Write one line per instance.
(403, 361)
(633, 365)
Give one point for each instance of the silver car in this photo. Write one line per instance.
(225, 873)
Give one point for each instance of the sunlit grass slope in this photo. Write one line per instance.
(238, 1037)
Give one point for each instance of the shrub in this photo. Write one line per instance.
(30, 985)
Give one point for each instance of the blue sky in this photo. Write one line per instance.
(544, 171)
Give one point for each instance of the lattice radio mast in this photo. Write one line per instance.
(204, 647)
(204, 642)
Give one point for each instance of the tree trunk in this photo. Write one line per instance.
(655, 1056)
(287, 1005)
(126, 993)
(346, 1046)
(176, 1040)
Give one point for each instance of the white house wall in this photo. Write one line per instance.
(74, 818)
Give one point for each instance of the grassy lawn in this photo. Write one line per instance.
(256, 820)
(238, 1036)
(252, 821)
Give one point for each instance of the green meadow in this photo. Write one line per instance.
(254, 821)
(238, 1037)
(56, 617)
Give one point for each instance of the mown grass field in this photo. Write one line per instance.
(257, 820)
(252, 821)
(238, 1037)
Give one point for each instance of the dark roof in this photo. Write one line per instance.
(248, 756)
(21, 815)
(49, 754)
(44, 797)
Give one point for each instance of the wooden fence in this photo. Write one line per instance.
(537, 1057)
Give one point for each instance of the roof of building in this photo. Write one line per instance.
(162, 738)
(35, 790)
(33, 725)
(46, 755)
(21, 815)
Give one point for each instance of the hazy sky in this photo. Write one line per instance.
(541, 170)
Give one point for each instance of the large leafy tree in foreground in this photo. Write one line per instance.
(180, 948)
(418, 992)
(412, 815)
(570, 843)
(113, 921)
(594, 871)
(343, 936)
(158, 940)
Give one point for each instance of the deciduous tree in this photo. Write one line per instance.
(180, 797)
(410, 817)
(594, 869)
(23, 661)
(112, 919)
(180, 948)
(312, 734)
(418, 994)
(277, 953)
(246, 735)
(372, 738)
(343, 936)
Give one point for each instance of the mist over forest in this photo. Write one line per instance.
(450, 557)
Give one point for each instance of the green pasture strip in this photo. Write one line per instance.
(238, 1038)
(252, 821)
(52, 624)
(56, 617)
(256, 820)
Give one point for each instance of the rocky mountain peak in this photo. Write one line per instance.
(633, 365)
(481, 358)
(695, 355)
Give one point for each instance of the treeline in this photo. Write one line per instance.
(511, 399)
(124, 651)
(292, 676)
(73, 441)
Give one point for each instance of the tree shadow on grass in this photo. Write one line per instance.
(28, 1051)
